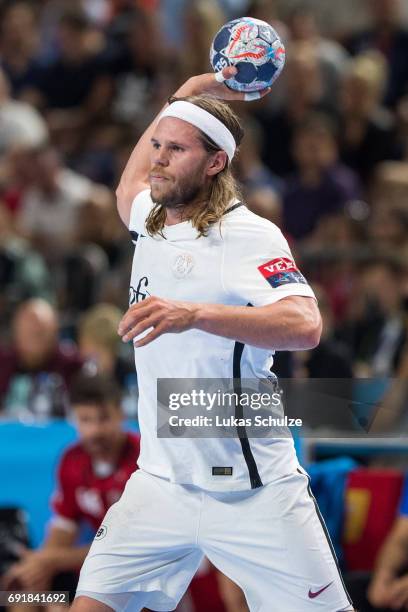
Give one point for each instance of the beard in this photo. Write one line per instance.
(186, 191)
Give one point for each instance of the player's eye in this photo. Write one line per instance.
(176, 148)
(156, 145)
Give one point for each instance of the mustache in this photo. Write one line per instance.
(158, 172)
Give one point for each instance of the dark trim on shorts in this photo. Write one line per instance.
(254, 477)
(326, 533)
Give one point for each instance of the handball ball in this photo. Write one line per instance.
(254, 48)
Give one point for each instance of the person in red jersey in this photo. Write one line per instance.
(91, 477)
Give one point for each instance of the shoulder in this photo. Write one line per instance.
(140, 208)
(245, 228)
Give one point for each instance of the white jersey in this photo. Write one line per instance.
(246, 261)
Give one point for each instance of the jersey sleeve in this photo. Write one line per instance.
(259, 268)
(63, 501)
(141, 206)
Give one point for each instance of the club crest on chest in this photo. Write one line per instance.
(182, 265)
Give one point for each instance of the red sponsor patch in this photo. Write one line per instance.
(281, 264)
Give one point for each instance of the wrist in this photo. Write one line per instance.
(189, 88)
(200, 313)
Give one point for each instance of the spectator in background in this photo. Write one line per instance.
(50, 198)
(388, 230)
(36, 369)
(91, 477)
(137, 66)
(252, 172)
(388, 589)
(74, 88)
(333, 57)
(202, 20)
(331, 359)
(368, 130)
(376, 327)
(388, 36)
(266, 203)
(19, 44)
(20, 123)
(305, 93)
(321, 186)
(99, 343)
(23, 273)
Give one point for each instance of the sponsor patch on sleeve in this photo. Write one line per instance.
(281, 271)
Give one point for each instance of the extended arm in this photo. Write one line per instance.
(36, 568)
(60, 544)
(292, 323)
(392, 559)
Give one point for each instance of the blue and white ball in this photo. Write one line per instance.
(254, 48)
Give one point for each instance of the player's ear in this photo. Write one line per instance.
(216, 163)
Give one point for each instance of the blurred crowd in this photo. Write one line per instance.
(325, 157)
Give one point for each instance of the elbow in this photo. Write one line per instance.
(312, 333)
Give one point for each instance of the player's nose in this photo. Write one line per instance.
(161, 158)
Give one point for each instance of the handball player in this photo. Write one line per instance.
(214, 292)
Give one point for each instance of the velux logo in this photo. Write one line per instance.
(281, 264)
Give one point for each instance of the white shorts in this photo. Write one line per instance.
(270, 541)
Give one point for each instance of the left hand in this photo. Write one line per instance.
(33, 572)
(165, 316)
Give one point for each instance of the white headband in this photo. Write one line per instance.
(206, 122)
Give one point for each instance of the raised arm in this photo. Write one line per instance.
(135, 177)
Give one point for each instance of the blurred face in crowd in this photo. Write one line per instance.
(35, 329)
(314, 149)
(92, 350)
(358, 98)
(386, 12)
(35, 168)
(18, 26)
(143, 40)
(383, 286)
(303, 26)
(303, 73)
(388, 228)
(72, 41)
(180, 166)
(266, 203)
(99, 427)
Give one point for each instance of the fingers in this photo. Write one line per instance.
(225, 74)
(256, 95)
(155, 333)
(141, 327)
(219, 77)
(134, 315)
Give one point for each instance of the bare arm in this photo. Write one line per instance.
(36, 568)
(292, 323)
(392, 558)
(135, 177)
(60, 544)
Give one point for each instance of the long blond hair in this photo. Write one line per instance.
(223, 187)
